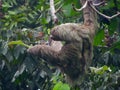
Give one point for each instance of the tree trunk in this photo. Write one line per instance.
(90, 18)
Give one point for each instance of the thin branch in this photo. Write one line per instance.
(98, 4)
(58, 9)
(52, 9)
(108, 17)
(84, 6)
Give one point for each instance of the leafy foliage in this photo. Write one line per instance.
(28, 22)
(61, 86)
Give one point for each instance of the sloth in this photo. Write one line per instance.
(75, 56)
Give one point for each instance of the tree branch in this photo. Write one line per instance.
(56, 45)
(58, 9)
(98, 4)
(52, 9)
(108, 17)
(84, 6)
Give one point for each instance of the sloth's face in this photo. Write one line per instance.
(55, 34)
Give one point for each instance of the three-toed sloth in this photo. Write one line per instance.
(76, 54)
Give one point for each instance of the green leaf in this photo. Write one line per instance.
(19, 72)
(4, 48)
(18, 50)
(12, 12)
(100, 70)
(19, 42)
(31, 15)
(61, 86)
(98, 38)
(113, 26)
(6, 5)
(67, 10)
(115, 46)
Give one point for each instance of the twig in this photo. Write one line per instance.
(98, 4)
(84, 6)
(52, 9)
(108, 17)
(58, 9)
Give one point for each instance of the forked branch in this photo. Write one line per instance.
(108, 17)
(92, 4)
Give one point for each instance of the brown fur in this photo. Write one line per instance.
(74, 57)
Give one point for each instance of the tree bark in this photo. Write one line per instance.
(90, 18)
